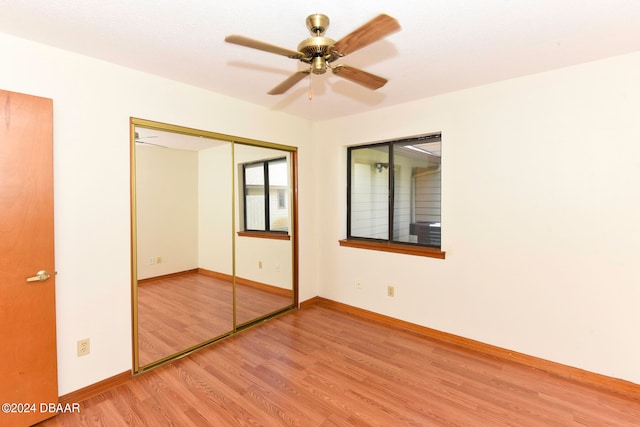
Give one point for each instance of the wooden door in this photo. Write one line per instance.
(28, 364)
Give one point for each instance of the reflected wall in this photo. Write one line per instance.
(264, 249)
(197, 276)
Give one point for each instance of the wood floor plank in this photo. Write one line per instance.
(323, 367)
(179, 311)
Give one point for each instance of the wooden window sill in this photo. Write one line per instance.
(398, 248)
(264, 235)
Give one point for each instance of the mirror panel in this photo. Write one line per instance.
(183, 218)
(264, 249)
(210, 255)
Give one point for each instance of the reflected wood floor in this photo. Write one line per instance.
(177, 312)
(322, 367)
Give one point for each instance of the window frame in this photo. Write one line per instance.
(388, 244)
(277, 234)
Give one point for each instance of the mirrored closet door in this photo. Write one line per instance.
(213, 247)
(264, 251)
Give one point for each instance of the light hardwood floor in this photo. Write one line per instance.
(320, 366)
(180, 311)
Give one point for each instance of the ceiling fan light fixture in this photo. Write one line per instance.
(318, 65)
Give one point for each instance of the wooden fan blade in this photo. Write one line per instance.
(289, 83)
(360, 77)
(260, 45)
(374, 30)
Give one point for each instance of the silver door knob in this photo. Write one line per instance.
(40, 276)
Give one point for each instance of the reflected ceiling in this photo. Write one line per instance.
(163, 139)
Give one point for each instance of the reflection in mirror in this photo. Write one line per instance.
(264, 249)
(213, 237)
(183, 240)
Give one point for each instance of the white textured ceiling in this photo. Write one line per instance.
(444, 45)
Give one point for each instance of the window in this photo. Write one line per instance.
(394, 192)
(266, 202)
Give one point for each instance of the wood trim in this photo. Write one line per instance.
(394, 247)
(592, 379)
(309, 302)
(264, 235)
(241, 281)
(217, 275)
(166, 276)
(263, 286)
(95, 389)
(224, 277)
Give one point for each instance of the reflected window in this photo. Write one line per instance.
(394, 191)
(266, 196)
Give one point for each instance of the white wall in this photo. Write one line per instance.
(215, 211)
(166, 210)
(540, 177)
(267, 261)
(92, 102)
(539, 205)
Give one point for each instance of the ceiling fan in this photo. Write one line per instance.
(320, 52)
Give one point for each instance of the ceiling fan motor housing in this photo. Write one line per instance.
(317, 52)
(317, 23)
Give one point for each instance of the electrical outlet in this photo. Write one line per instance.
(259, 264)
(152, 261)
(391, 290)
(359, 285)
(84, 347)
(158, 259)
